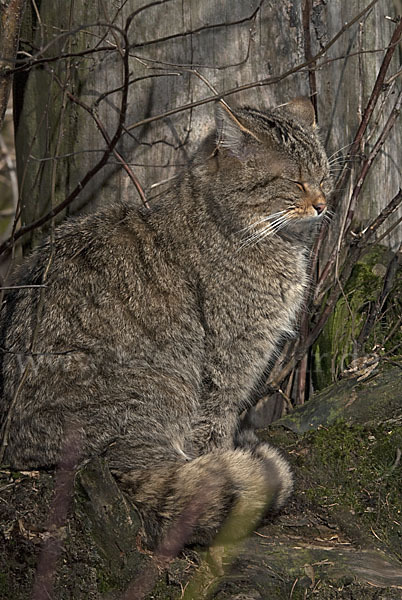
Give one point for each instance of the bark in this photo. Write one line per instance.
(231, 45)
(11, 12)
(79, 144)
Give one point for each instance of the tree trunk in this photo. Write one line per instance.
(231, 44)
(80, 144)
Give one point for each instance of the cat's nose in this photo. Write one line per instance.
(319, 207)
(315, 198)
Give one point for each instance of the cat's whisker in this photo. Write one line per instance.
(253, 237)
(336, 165)
(340, 150)
(277, 228)
(340, 169)
(255, 234)
(262, 220)
(270, 229)
(341, 157)
(345, 158)
(273, 226)
(342, 160)
(273, 216)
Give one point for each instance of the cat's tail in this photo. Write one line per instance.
(220, 491)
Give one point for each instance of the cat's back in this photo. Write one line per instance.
(112, 251)
(99, 300)
(98, 284)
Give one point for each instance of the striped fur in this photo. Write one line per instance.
(153, 328)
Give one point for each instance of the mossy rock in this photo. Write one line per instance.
(356, 401)
(339, 537)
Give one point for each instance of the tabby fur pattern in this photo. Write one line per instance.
(153, 327)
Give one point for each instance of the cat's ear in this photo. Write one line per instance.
(232, 134)
(302, 109)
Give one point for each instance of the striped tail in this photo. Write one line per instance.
(194, 499)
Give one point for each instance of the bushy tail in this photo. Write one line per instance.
(194, 499)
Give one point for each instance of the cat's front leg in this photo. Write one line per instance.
(214, 429)
(228, 380)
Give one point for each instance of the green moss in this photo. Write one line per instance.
(3, 583)
(355, 471)
(164, 591)
(105, 582)
(338, 344)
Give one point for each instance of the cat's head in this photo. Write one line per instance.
(270, 168)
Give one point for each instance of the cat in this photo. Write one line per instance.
(148, 330)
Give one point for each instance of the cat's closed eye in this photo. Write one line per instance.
(299, 184)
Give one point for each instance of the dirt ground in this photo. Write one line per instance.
(339, 537)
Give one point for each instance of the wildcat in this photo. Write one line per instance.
(152, 328)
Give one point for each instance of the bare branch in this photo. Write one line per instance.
(368, 162)
(259, 83)
(64, 489)
(200, 29)
(92, 172)
(355, 147)
(396, 36)
(386, 212)
(33, 62)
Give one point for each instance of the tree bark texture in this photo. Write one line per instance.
(179, 52)
(11, 12)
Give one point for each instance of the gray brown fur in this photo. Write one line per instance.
(154, 327)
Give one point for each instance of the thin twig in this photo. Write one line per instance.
(173, 541)
(368, 162)
(224, 24)
(388, 231)
(261, 82)
(376, 223)
(63, 493)
(355, 146)
(92, 172)
(375, 94)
